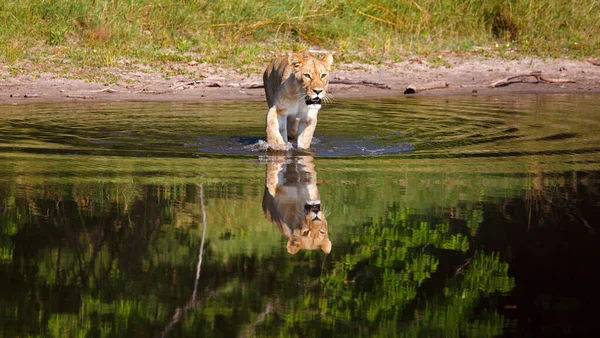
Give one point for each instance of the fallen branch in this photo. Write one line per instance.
(176, 85)
(30, 95)
(80, 96)
(252, 85)
(208, 82)
(25, 95)
(215, 84)
(360, 82)
(413, 89)
(536, 74)
(107, 90)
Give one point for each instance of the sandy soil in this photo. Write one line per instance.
(460, 76)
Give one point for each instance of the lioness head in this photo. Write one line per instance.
(312, 74)
(314, 232)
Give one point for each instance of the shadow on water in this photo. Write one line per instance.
(420, 218)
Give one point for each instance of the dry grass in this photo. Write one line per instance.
(104, 32)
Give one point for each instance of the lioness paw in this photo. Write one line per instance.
(279, 146)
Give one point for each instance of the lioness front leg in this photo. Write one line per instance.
(273, 134)
(293, 129)
(307, 129)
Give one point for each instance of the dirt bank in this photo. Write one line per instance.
(202, 82)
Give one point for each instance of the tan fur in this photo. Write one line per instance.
(290, 186)
(290, 82)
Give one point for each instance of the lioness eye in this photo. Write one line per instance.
(305, 232)
(307, 76)
(322, 231)
(323, 76)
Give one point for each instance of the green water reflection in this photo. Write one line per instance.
(107, 244)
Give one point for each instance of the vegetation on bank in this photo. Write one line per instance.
(94, 33)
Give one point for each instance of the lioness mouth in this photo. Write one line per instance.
(310, 101)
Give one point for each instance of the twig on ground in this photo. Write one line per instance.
(177, 85)
(252, 85)
(25, 95)
(202, 83)
(359, 82)
(80, 96)
(413, 89)
(215, 84)
(536, 74)
(107, 90)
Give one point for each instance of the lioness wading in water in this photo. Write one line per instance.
(295, 86)
(292, 202)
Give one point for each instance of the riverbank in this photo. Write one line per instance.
(196, 82)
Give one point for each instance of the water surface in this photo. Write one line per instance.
(468, 216)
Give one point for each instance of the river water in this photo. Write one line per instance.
(441, 216)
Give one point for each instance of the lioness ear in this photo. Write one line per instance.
(295, 60)
(293, 246)
(326, 247)
(328, 60)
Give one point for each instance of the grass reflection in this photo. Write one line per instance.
(101, 258)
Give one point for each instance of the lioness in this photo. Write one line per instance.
(292, 202)
(295, 86)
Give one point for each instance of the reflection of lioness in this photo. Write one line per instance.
(292, 202)
(295, 86)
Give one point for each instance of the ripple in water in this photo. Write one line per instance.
(424, 127)
(326, 146)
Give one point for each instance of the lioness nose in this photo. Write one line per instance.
(317, 91)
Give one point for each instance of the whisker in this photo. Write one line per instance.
(325, 210)
(328, 98)
(301, 95)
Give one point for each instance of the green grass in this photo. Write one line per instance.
(97, 33)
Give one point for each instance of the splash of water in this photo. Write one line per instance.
(262, 145)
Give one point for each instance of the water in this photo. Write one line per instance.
(469, 216)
